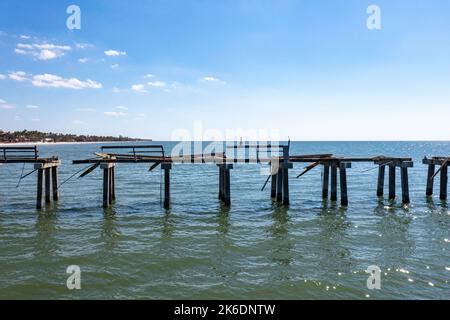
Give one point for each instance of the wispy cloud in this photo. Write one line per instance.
(115, 66)
(2, 76)
(18, 76)
(54, 81)
(138, 88)
(210, 79)
(149, 76)
(114, 113)
(5, 105)
(121, 108)
(42, 51)
(115, 53)
(83, 60)
(157, 84)
(31, 106)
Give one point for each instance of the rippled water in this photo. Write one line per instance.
(199, 249)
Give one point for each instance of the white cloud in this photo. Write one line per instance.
(121, 108)
(54, 81)
(114, 113)
(22, 36)
(211, 79)
(157, 84)
(42, 51)
(115, 53)
(6, 106)
(149, 76)
(83, 60)
(18, 76)
(2, 76)
(115, 66)
(83, 45)
(31, 106)
(138, 88)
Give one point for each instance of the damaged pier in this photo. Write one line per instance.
(47, 171)
(442, 162)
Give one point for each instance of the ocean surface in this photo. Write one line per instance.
(199, 249)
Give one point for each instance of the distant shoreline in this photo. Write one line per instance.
(40, 143)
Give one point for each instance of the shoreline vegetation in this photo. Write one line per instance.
(38, 137)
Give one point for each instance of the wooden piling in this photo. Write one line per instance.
(40, 176)
(110, 181)
(430, 179)
(279, 195)
(392, 182)
(113, 183)
(273, 186)
(333, 193)
(55, 183)
(220, 182)
(405, 185)
(47, 182)
(444, 181)
(326, 181)
(285, 186)
(106, 188)
(227, 191)
(343, 183)
(380, 183)
(166, 167)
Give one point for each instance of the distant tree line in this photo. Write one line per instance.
(37, 136)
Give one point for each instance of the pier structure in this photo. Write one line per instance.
(332, 164)
(47, 171)
(443, 163)
(277, 156)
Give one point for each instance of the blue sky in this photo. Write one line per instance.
(307, 69)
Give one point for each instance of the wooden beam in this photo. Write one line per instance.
(391, 182)
(380, 182)
(430, 179)
(343, 184)
(39, 189)
(106, 187)
(285, 186)
(279, 195)
(405, 185)
(333, 193)
(55, 183)
(325, 181)
(444, 182)
(47, 178)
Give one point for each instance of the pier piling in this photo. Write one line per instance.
(326, 181)
(391, 182)
(343, 182)
(380, 183)
(430, 179)
(444, 181)
(47, 182)
(166, 167)
(333, 193)
(108, 186)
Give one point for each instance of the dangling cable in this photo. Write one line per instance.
(21, 176)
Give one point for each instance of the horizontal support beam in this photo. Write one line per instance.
(46, 165)
(107, 165)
